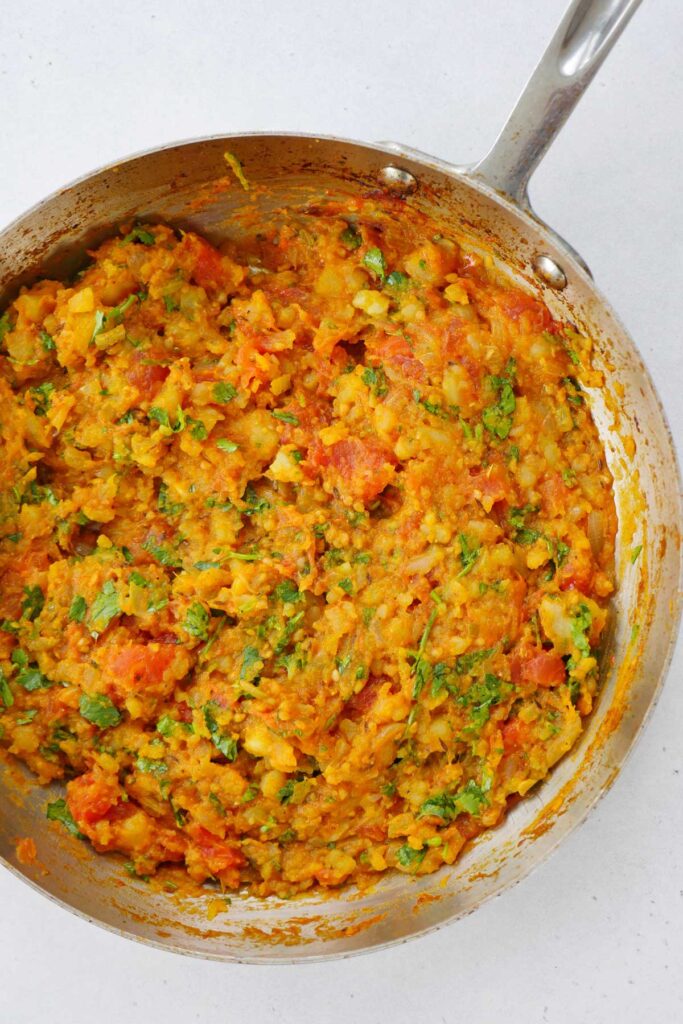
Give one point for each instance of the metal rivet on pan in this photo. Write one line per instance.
(550, 271)
(397, 180)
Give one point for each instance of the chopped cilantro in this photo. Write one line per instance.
(98, 326)
(150, 766)
(197, 621)
(375, 378)
(287, 591)
(286, 417)
(77, 609)
(6, 695)
(224, 445)
(5, 326)
(285, 794)
(497, 418)
(582, 620)
(374, 261)
(407, 857)
(32, 605)
(58, 811)
(165, 505)
(224, 392)
(250, 657)
(468, 556)
(105, 607)
(161, 554)
(99, 709)
(139, 234)
(197, 429)
(396, 281)
(42, 397)
(223, 743)
(635, 554)
(166, 725)
(350, 238)
(291, 627)
(346, 585)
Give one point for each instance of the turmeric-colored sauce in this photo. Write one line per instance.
(305, 547)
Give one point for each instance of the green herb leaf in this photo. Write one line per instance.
(33, 603)
(291, 627)
(468, 556)
(250, 658)
(77, 609)
(376, 379)
(224, 392)
(58, 811)
(150, 766)
(350, 238)
(375, 262)
(166, 725)
(287, 592)
(497, 418)
(6, 695)
(165, 505)
(42, 397)
(117, 314)
(160, 553)
(223, 743)
(635, 554)
(197, 429)
(396, 281)
(99, 709)
(104, 608)
(140, 234)
(159, 416)
(285, 794)
(100, 321)
(286, 417)
(30, 677)
(582, 619)
(226, 446)
(407, 857)
(5, 326)
(197, 621)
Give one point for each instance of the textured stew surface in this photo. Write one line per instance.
(305, 547)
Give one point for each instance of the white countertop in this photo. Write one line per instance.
(596, 934)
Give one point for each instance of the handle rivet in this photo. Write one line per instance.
(398, 181)
(550, 271)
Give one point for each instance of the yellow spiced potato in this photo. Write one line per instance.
(305, 547)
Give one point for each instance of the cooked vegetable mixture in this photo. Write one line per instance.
(305, 547)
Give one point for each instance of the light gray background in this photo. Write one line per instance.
(596, 934)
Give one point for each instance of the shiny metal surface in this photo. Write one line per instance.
(187, 185)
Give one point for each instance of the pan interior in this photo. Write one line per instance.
(191, 186)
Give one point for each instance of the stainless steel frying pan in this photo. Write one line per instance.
(487, 205)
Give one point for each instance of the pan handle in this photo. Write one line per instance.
(585, 36)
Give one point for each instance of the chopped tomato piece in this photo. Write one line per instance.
(91, 797)
(147, 377)
(139, 665)
(555, 495)
(492, 485)
(218, 854)
(515, 304)
(515, 734)
(395, 351)
(361, 702)
(542, 668)
(359, 468)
